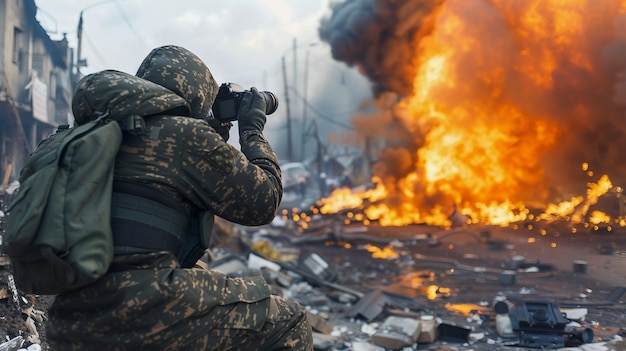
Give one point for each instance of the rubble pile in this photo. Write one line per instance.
(368, 287)
(443, 286)
(21, 315)
(19, 320)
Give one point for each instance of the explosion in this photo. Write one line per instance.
(487, 107)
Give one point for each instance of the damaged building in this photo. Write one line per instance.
(35, 86)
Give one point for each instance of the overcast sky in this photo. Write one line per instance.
(242, 41)
(239, 39)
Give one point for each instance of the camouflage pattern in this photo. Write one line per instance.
(151, 304)
(146, 301)
(109, 91)
(184, 73)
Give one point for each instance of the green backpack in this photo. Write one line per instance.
(58, 234)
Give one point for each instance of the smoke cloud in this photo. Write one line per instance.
(380, 38)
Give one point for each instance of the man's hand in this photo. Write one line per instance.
(252, 112)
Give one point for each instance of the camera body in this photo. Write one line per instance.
(226, 105)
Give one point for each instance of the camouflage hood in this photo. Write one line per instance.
(184, 73)
(121, 95)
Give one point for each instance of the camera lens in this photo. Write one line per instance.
(271, 102)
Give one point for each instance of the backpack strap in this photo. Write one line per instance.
(133, 124)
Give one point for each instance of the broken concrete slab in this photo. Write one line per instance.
(313, 263)
(397, 332)
(370, 306)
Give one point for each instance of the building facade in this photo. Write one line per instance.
(35, 85)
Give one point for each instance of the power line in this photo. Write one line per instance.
(44, 19)
(320, 114)
(94, 48)
(129, 23)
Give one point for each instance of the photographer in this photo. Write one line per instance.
(180, 170)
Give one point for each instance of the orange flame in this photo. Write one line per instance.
(387, 252)
(490, 120)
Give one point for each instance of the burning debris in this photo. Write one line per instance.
(601, 210)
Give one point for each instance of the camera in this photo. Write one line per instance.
(228, 99)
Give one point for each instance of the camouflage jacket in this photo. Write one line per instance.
(146, 301)
(183, 157)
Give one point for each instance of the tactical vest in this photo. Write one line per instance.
(145, 220)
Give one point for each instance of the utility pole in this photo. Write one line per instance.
(295, 103)
(80, 44)
(304, 105)
(289, 145)
(319, 156)
(295, 64)
(80, 62)
(294, 80)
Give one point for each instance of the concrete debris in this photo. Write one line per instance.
(32, 347)
(616, 294)
(258, 262)
(323, 341)
(428, 330)
(371, 288)
(397, 332)
(13, 344)
(315, 264)
(365, 346)
(369, 307)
